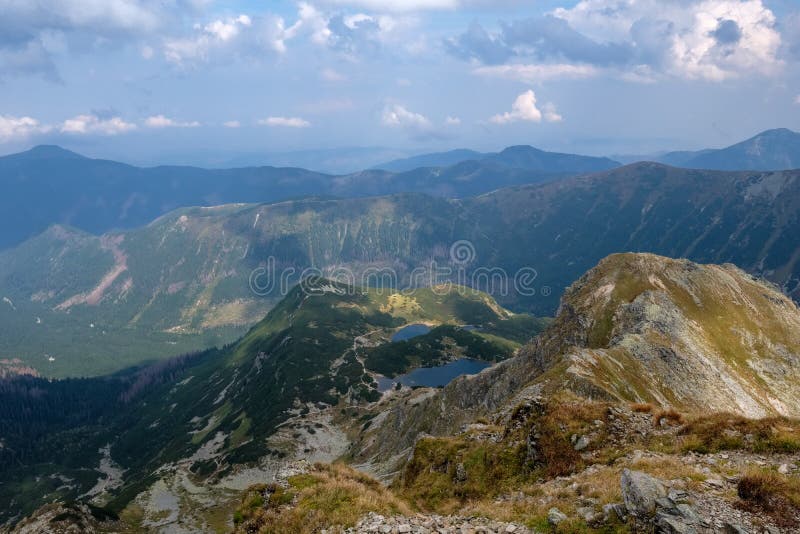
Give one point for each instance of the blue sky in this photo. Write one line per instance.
(160, 80)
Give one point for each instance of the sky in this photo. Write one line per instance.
(194, 80)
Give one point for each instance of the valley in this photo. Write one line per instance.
(542, 440)
(186, 283)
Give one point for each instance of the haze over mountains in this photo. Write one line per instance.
(771, 150)
(49, 185)
(516, 157)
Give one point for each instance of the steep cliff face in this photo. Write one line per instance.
(636, 328)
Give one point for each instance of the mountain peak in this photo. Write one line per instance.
(642, 327)
(50, 152)
(777, 132)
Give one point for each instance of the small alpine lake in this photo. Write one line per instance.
(434, 377)
(410, 331)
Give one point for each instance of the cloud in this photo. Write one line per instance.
(92, 124)
(288, 122)
(398, 5)
(550, 113)
(232, 124)
(797, 100)
(214, 35)
(452, 121)
(691, 39)
(160, 121)
(32, 33)
(524, 109)
(331, 75)
(476, 43)
(16, 128)
(537, 72)
(382, 6)
(708, 39)
(398, 116)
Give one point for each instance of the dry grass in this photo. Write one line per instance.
(768, 492)
(556, 428)
(642, 408)
(330, 496)
(718, 432)
(669, 416)
(601, 484)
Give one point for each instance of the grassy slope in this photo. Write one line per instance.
(302, 353)
(190, 269)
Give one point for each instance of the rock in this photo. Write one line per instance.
(688, 513)
(587, 513)
(665, 503)
(733, 528)
(404, 529)
(669, 524)
(640, 492)
(616, 510)
(677, 496)
(784, 469)
(555, 516)
(715, 483)
(581, 443)
(461, 473)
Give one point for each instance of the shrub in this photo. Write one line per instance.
(771, 493)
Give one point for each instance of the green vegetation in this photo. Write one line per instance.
(302, 355)
(330, 496)
(721, 432)
(442, 344)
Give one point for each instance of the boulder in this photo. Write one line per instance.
(640, 492)
(555, 516)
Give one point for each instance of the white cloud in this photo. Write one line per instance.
(331, 75)
(524, 109)
(92, 124)
(216, 34)
(227, 30)
(231, 124)
(160, 121)
(708, 39)
(398, 5)
(797, 100)
(34, 33)
(16, 128)
(452, 121)
(288, 122)
(551, 114)
(537, 72)
(397, 115)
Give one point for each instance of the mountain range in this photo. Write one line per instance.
(515, 157)
(183, 282)
(771, 150)
(175, 446)
(49, 185)
(385, 362)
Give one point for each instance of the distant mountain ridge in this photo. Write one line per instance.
(515, 157)
(49, 185)
(771, 150)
